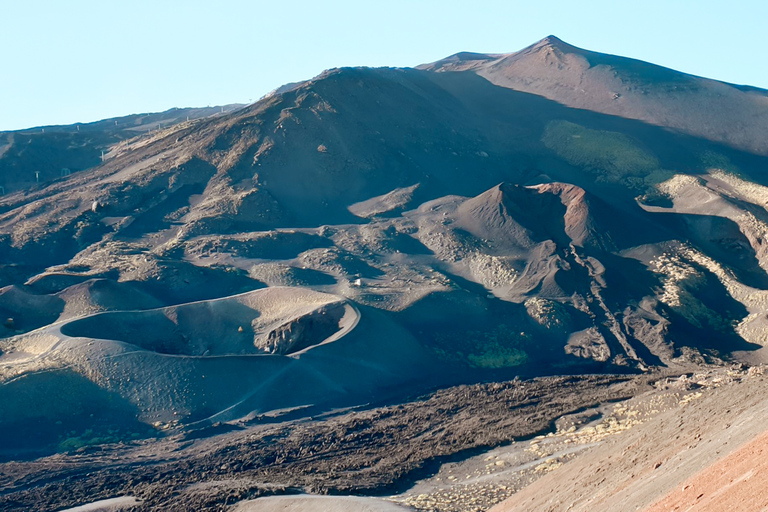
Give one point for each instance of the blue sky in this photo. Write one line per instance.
(79, 60)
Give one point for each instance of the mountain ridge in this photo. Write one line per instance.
(628, 88)
(31, 156)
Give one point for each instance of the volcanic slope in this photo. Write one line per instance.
(44, 153)
(734, 115)
(416, 229)
(705, 452)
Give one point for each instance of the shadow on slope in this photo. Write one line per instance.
(60, 410)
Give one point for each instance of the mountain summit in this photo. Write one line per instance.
(629, 88)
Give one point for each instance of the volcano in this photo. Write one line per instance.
(368, 236)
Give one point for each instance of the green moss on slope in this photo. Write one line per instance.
(613, 157)
(500, 347)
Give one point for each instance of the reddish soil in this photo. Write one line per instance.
(736, 482)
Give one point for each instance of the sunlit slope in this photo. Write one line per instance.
(717, 111)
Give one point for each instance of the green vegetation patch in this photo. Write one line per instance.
(501, 347)
(613, 157)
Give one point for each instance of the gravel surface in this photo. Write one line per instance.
(377, 451)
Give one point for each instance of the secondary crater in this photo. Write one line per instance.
(278, 321)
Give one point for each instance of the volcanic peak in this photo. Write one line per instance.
(554, 42)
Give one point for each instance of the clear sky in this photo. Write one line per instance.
(66, 61)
